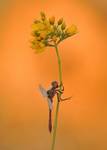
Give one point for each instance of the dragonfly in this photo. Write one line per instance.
(49, 94)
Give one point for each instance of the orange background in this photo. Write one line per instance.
(23, 112)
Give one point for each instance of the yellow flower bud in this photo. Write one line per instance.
(39, 38)
(52, 20)
(36, 34)
(43, 17)
(63, 26)
(60, 21)
(36, 21)
(38, 26)
(43, 35)
(71, 30)
(41, 45)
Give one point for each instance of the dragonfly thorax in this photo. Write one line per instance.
(51, 93)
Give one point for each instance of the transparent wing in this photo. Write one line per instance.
(43, 91)
(49, 103)
(44, 94)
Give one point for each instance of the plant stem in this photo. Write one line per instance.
(58, 97)
(59, 65)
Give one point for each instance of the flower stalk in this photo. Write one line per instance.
(58, 97)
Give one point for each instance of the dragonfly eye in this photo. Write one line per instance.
(54, 84)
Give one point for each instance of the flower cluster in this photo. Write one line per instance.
(48, 32)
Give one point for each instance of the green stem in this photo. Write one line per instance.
(59, 65)
(57, 105)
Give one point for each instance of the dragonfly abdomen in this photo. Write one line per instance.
(50, 121)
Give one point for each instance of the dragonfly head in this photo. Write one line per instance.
(54, 84)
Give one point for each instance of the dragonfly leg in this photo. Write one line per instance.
(60, 98)
(61, 86)
(59, 91)
(64, 99)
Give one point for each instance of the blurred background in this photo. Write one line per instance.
(23, 111)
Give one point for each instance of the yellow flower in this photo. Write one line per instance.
(39, 46)
(47, 32)
(72, 30)
(48, 27)
(42, 27)
(38, 26)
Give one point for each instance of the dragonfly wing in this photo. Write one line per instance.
(49, 103)
(44, 94)
(43, 91)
